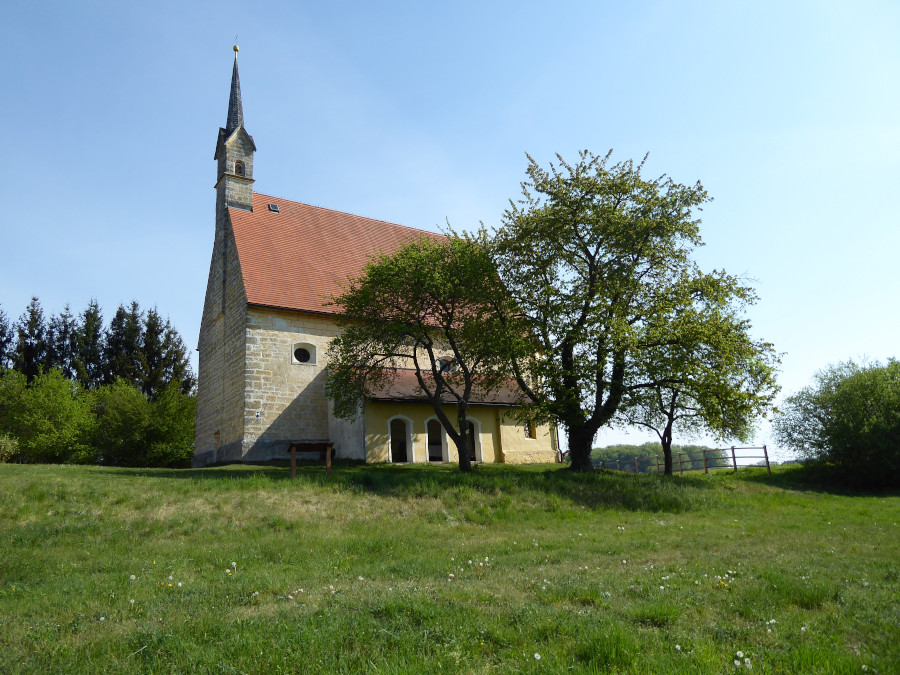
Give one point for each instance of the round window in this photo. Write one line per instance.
(301, 354)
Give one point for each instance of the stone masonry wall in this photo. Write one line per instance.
(219, 430)
(285, 400)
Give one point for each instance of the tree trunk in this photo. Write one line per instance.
(580, 441)
(462, 443)
(666, 441)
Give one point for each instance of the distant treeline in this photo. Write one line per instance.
(137, 346)
(72, 390)
(648, 453)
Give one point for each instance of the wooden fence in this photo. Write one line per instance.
(719, 458)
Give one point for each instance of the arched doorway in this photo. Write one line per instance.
(435, 441)
(400, 440)
(473, 440)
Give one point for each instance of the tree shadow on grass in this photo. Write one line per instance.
(812, 477)
(552, 485)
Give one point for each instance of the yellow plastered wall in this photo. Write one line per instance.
(518, 448)
(500, 438)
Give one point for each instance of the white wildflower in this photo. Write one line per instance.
(132, 577)
(740, 655)
(537, 657)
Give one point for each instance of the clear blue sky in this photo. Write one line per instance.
(421, 112)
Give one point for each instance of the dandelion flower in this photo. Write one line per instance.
(359, 579)
(677, 648)
(740, 655)
(103, 618)
(179, 584)
(131, 602)
(737, 663)
(234, 564)
(132, 577)
(170, 577)
(537, 657)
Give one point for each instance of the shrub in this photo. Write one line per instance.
(849, 419)
(9, 448)
(134, 431)
(50, 418)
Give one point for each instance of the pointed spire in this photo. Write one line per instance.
(235, 109)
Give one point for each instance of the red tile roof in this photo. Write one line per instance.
(297, 258)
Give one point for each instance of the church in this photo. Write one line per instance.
(266, 326)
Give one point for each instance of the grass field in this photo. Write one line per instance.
(389, 569)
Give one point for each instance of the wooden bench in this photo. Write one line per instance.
(324, 448)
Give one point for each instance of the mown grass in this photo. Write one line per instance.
(602, 573)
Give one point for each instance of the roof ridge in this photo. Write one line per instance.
(347, 213)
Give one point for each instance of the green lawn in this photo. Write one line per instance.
(420, 569)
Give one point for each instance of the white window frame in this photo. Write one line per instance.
(311, 348)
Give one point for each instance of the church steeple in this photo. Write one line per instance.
(235, 109)
(234, 154)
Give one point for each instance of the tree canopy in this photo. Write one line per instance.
(429, 308)
(591, 254)
(849, 420)
(701, 371)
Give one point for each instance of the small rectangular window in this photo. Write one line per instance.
(274, 208)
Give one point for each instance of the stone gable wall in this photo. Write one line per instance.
(219, 430)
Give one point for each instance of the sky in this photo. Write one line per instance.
(421, 114)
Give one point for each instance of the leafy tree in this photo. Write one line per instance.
(700, 369)
(31, 340)
(50, 418)
(89, 359)
(590, 254)
(62, 343)
(172, 424)
(848, 419)
(7, 341)
(123, 416)
(122, 345)
(132, 430)
(429, 307)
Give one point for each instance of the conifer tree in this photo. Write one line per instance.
(7, 339)
(89, 357)
(31, 340)
(62, 344)
(122, 346)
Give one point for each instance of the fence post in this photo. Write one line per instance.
(733, 459)
(705, 467)
(618, 465)
(766, 453)
(636, 465)
(681, 463)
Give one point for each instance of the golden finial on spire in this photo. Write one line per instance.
(236, 50)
